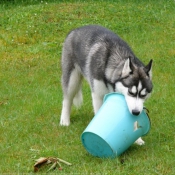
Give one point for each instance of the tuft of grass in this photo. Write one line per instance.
(31, 38)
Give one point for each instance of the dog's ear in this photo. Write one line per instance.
(148, 69)
(127, 68)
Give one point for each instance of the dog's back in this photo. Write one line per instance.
(90, 47)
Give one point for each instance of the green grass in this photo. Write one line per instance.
(31, 38)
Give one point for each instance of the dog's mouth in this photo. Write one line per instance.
(137, 112)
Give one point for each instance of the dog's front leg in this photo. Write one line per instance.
(97, 102)
(139, 141)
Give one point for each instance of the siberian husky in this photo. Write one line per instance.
(108, 64)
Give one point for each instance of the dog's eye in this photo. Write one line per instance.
(131, 93)
(143, 93)
(143, 96)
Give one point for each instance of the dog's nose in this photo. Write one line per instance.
(135, 112)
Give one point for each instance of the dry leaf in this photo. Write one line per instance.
(40, 162)
(45, 161)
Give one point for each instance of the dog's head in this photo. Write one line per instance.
(135, 84)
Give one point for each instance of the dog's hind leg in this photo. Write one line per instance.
(71, 88)
(65, 114)
(78, 98)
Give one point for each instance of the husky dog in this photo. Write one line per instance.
(108, 64)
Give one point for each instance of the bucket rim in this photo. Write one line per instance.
(111, 93)
(149, 122)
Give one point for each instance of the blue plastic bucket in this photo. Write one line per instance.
(111, 131)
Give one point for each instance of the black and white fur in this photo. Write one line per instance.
(108, 64)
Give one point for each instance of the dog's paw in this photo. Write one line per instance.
(64, 122)
(139, 141)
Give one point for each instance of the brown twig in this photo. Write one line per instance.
(63, 161)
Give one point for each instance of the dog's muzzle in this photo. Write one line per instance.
(135, 112)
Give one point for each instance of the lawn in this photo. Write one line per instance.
(32, 33)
